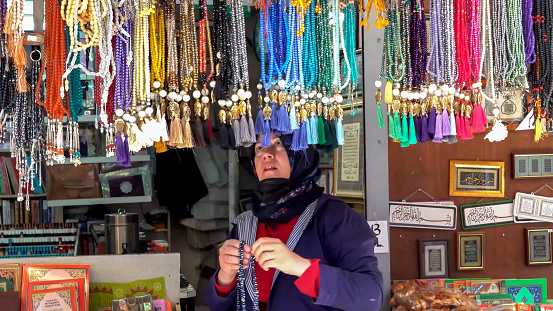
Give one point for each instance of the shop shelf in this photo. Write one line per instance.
(88, 160)
(14, 196)
(96, 201)
(83, 119)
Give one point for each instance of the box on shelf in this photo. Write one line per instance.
(66, 182)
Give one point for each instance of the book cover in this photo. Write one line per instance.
(12, 213)
(527, 291)
(36, 182)
(16, 210)
(49, 213)
(5, 178)
(6, 212)
(22, 212)
(13, 176)
(35, 212)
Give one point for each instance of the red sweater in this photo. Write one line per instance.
(308, 283)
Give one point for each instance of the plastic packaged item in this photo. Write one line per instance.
(409, 297)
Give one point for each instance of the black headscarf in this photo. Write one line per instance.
(280, 199)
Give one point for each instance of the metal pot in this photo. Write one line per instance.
(122, 233)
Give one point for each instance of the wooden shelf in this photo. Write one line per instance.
(96, 201)
(89, 160)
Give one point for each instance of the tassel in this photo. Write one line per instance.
(303, 136)
(245, 139)
(418, 125)
(412, 131)
(127, 162)
(321, 131)
(404, 138)
(460, 126)
(162, 126)
(274, 117)
(208, 133)
(296, 141)
(446, 126)
(232, 138)
(538, 135)
(251, 128)
(328, 135)
(391, 125)
(136, 141)
(332, 125)
(452, 123)
(308, 130)
(266, 142)
(424, 130)
(379, 116)
(199, 133)
(471, 118)
(468, 132)
(160, 146)
(259, 123)
(223, 132)
(187, 138)
(176, 133)
(293, 123)
(339, 132)
(283, 121)
(477, 124)
(484, 118)
(432, 122)
(121, 152)
(237, 133)
(452, 139)
(438, 136)
(314, 129)
(397, 126)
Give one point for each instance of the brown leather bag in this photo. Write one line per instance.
(67, 182)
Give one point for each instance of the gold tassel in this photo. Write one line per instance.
(388, 93)
(176, 133)
(160, 146)
(187, 130)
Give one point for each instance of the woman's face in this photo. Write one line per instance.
(272, 161)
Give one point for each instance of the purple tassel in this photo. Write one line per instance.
(296, 141)
(438, 136)
(127, 163)
(119, 149)
(446, 127)
(424, 129)
(274, 117)
(432, 122)
(266, 142)
(418, 125)
(252, 130)
(259, 130)
(303, 136)
(283, 120)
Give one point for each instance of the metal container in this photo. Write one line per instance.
(122, 233)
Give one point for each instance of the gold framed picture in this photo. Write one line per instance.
(476, 179)
(470, 250)
(13, 272)
(539, 247)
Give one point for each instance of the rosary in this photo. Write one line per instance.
(240, 286)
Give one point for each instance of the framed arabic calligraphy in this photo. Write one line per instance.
(425, 216)
(476, 179)
(539, 247)
(487, 214)
(470, 251)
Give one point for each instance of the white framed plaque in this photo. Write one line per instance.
(425, 216)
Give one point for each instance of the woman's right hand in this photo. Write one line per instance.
(228, 261)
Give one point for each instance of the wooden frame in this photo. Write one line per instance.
(476, 179)
(428, 249)
(12, 271)
(477, 242)
(531, 246)
(352, 183)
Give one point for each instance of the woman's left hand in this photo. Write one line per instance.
(272, 253)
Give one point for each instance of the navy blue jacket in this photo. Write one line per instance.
(328, 230)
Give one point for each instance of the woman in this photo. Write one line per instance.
(311, 250)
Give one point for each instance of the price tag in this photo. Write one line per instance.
(380, 228)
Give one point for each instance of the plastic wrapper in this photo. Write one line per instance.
(134, 181)
(67, 182)
(409, 297)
